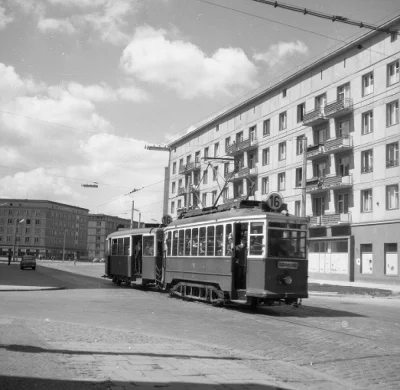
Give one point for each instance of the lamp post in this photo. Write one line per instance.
(304, 179)
(65, 232)
(15, 235)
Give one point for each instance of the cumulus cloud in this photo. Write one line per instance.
(51, 25)
(184, 67)
(4, 19)
(278, 53)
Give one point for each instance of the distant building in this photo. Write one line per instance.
(43, 228)
(346, 104)
(99, 227)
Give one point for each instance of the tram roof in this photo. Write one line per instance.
(131, 232)
(233, 214)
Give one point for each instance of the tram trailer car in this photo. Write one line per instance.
(244, 253)
(123, 264)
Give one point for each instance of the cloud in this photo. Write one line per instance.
(184, 67)
(278, 53)
(61, 25)
(4, 19)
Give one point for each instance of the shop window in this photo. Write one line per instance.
(391, 260)
(366, 259)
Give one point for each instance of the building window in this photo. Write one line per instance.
(343, 203)
(216, 149)
(180, 164)
(180, 183)
(299, 144)
(205, 176)
(392, 113)
(281, 181)
(368, 84)
(227, 143)
(36, 239)
(393, 36)
(239, 137)
(172, 207)
(173, 187)
(391, 260)
(179, 204)
(265, 156)
(204, 199)
(343, 92)
(213, 197)
(282, 151)
(197, 157)
(253, 133)
(318, 205)
(215, 173)
(319, 169)
(393, 73)
(367, 122)
(320, 101)
(320, 136)
(174, 168)
(284, 92)
(301, 110)
(264, 185)
(366, 201)
(366, 161)
(297, 208)
(217, 128)
(27, 239)
(282, 120)
(266, 127)
(299, 177)
(392, 155)
(392, 197)
(206, 152)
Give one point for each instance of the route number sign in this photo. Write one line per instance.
(274, 200)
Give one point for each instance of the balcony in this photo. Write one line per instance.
(181, 191)
(243, 172)
(315, 117)
(189, 167)
(240, 147)
(320, 184)
(253, 171)
(229, 174)
(338, 108)
(339, 144)
(315, 151)
(330, 219)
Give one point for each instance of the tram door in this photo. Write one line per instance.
(240, 254)
(137, 251)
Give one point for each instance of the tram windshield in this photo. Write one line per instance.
(287, 243)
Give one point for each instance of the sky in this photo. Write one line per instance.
(86, 84)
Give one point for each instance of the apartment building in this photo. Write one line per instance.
(338, 118)
(43, 228)
(99, 227)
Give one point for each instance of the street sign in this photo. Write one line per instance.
(274, 200)
(166, 219)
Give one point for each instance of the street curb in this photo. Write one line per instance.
(29, 288)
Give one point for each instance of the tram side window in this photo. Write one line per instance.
(168, 243)
(188, 241)
(114, 247)
(120, 246)
(210, 241)
(202, 242)
(286, 243)
(181, 243)
(175, 243)
(256, 238)
(195, 242)
(219, 240)
(126, 246)
(228, 244)
(148, 246)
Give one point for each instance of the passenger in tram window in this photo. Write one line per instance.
(148, 251)
(240, 254)
(202, 247)
(230, 246)
(194, 246)
(219, 248)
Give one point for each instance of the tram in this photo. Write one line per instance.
(242, 252)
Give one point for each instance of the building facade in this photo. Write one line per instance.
(99, 227)
(336, 121)
(43, 228)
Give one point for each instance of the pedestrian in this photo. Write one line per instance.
(9, 257)
(137, 254)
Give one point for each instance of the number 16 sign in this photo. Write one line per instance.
(274, 200)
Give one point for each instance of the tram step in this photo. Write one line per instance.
(241, 295)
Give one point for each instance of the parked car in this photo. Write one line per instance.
(95, 260)
(102, 260)
(28, 261)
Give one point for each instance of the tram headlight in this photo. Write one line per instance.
(287, 280)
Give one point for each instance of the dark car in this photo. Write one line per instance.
(28, 261)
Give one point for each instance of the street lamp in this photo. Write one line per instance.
(65, 232)
(304, 178)
(15, 235)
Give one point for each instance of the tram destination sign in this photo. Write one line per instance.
(288, 265)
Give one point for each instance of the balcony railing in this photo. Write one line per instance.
(315, 117)
(189, 167)
(241, 146)
(338, 107)
(338, 144)
(243, 172)
(318, 184)
(253, 171)
(229, 174)
(330, 219)
(315, 151)
(181, 191)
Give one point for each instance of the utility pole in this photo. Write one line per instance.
(304, 179)
(15, 235)
(65, 232)
(133, 208)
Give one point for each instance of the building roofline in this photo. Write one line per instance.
(257, 95)
(41, 201)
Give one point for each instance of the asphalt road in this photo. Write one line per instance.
(329, 342)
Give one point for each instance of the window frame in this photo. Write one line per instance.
(267, 127)
(390, 163)
(366, 195)
(367, 161)
(282, 153)
(301, 110)
(283, 121)
(395, 105)
(396, 196)
(282, 183)
(367, 119)
(368, 76)
(265, 185)
(396, 65)
(265, 156)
